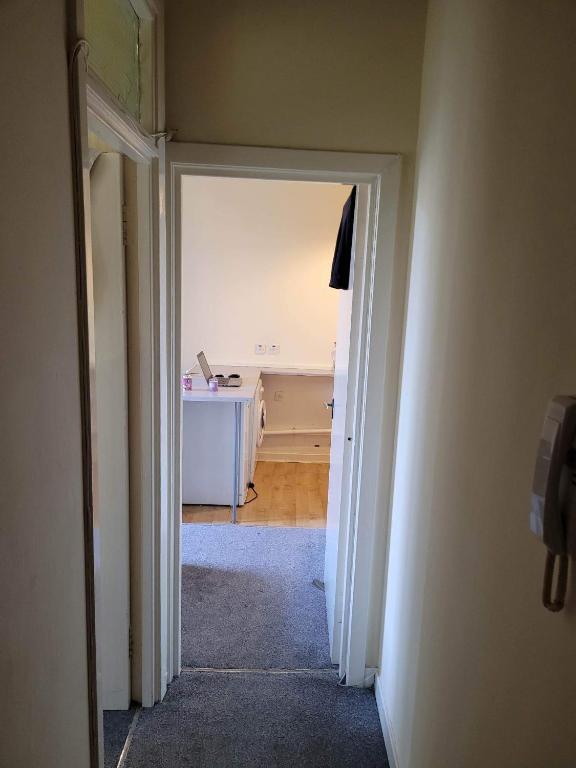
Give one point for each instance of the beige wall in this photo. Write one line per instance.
(475, 671)
(44, 720)
(326, 74)
(297, 402)
(259, 253)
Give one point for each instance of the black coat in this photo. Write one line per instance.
(340, 277)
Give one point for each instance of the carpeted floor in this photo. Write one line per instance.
(116, 727)
(248, 600)
(259, 720)
(248, 604)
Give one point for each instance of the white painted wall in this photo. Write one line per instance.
(44, 720)
(256, 260)
(474, 671)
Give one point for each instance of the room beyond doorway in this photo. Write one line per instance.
(289, 494)
(256, 258)
(257, 307)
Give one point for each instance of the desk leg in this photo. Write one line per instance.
(236, 473)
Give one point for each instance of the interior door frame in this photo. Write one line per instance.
(93, 108)
(119, 136)
(110, 127)
(366, 518)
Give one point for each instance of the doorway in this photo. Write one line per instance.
(256, 263)
(256, 260)
(356, 544)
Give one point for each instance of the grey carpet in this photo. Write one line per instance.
(116, 727)
(248, 600)
(259, 720)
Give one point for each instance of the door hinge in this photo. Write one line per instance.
(124, 226)
(130, 643)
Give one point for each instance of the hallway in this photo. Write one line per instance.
(259, 720)
(257, 688)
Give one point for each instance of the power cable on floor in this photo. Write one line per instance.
(251, 487)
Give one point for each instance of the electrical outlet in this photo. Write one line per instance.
(274, 349)
(260, 349)
(279, 396)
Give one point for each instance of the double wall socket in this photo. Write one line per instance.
(273, 349)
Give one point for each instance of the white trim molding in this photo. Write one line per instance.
(365, 521)
(302, 456)
(116, 126)
(387, 732)
(95, 110)
(145, 370)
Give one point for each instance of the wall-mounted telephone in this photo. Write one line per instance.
(553, 510)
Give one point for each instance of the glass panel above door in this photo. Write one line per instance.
(113, 33)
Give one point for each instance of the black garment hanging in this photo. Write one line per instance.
(340, 277)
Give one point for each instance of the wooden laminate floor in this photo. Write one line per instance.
(289, 494)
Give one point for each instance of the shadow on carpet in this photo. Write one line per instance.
(259, 720)
(248, 600)
(116, 726)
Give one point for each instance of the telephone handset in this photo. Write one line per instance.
(553, 509)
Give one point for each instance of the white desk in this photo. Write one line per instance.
(242, 394)
(235, 397)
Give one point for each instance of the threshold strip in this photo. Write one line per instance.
(128, 742)
(273, 671)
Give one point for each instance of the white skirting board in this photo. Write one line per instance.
(298, 455)
(389, 739)
(299, 445)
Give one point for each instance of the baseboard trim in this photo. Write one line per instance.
(389, 739)
(128, 743)
(370, 676)
(301, 457)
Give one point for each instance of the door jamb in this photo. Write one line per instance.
(92, 106)
(121, 137)
(368, 519)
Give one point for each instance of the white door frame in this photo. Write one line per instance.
(114, 130)
(336, 587)
(366, 524)
(94, 109)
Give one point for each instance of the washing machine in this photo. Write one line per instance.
(259, 425)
